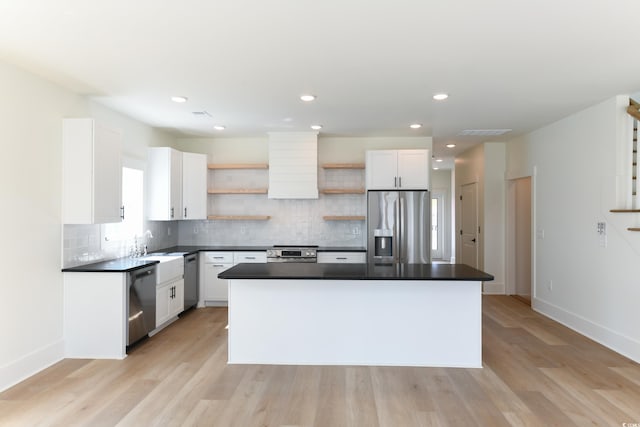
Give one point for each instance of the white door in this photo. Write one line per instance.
(523, 238)
(469, 230)
(437, 207)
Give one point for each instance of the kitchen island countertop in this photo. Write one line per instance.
(313, 271)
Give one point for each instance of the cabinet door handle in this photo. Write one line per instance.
(122, 212)
(400, 182)
(171, 212)
(218, 257)
(395, 181)
(185, 212)
(249, 257)
(218, 265)
(341, 257)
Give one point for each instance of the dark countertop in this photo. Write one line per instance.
(311, 271)
(119, 265)
(256, 248)
(123, 265)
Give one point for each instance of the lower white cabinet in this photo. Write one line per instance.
(169, 300)
(342, 257)
(215, 291)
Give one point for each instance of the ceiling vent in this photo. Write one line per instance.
(201, 114)
(483, 132)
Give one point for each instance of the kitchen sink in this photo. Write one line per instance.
(169, 267)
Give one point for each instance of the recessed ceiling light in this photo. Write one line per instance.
(483, 132)
(316, 127)
(439, 160)
(219, 127)
(179, 99)
(436, 169)
(308, 98)
(451, 145)
(415, 126)
(440, 96)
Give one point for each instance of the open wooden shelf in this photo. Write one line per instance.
(238, 166)
(241, 217)
(344, 218)
(633, 229)
(238, 191)
(342, 191)
(343, 165)
(625, 211)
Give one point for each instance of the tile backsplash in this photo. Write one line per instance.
(83, 244)
(296, 222)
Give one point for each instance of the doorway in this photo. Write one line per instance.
(437, 225)
(469, 230)
(519, 239)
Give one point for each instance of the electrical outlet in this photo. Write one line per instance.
(540, 233)
(550, 285)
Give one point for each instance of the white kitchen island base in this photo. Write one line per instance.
(355, 322)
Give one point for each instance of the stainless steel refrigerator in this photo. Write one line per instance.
(399, 226)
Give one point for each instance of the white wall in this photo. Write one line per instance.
(30, 184)
(31, 112)
(594, 289)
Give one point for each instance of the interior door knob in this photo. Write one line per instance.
(473, 240)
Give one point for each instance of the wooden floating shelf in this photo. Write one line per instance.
(241, 217)
(633, 229)
(342, 191)
(344, 218)
(625, 211)
(343, 166)
(238, 191)
(238, 166)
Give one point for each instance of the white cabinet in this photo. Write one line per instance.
(398, 169)
(164, 183)
(249, 257)
(215, 291)
(169, 300)
(342, 257)
(212, 288)
(92, 172)
(194, 186)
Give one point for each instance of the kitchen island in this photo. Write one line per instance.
(355, 314)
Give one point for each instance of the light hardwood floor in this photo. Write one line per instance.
(536, 373)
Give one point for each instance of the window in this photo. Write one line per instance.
(115, 235)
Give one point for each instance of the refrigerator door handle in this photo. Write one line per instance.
(398, 237)
(401, 221)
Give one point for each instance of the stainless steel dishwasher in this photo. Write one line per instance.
(190, 281)
(142, 303)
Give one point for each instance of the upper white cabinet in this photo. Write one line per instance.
(92, 173)
(164, 183)
(194, 186)
(398, 169)
(293, 165)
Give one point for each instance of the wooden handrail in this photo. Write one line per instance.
(634, 109)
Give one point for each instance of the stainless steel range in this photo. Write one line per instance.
(285, 253)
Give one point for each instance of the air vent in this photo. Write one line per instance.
(201, 114)
(483, 132)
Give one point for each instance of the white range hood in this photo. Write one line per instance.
(293, 165)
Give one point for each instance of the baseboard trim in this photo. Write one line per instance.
(30, 364)
(493, 288)
(609, 338)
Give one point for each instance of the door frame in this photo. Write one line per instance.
(510, 231)
(441, 195)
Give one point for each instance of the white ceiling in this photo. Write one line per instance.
(374, 64)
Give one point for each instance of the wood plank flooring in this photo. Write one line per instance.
(536, 373)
